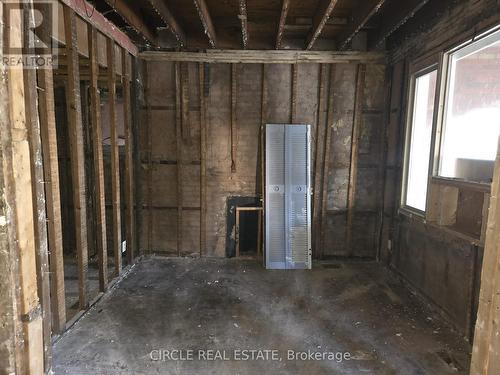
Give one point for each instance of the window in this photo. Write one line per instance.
(471, 119)
(419, 135)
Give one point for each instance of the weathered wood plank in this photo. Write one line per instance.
(102, 24)
(206, 21)
(38, 188)
(244, 24)
(100, 200)
(320, 19)
(74, 110)
(267, 57)
(234, 125)
(486, 349)
(359, 20)
(285, 6)
(52, 195)
(178, 136)
(203, 160)
(115, 157)
(353, 171)
(166, 15)
(129, 158)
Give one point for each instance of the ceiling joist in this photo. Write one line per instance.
(319, 21)
(130, 16)
(206, 21)
(394, 17)
(359, 21)
(244, 24)
(285, 6)
(166, 15)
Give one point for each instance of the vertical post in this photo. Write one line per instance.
(485, 359)
(74, 110)
(234, 129)
(293, 104)
(129, 157)
(321, 129)
(115, 157)
(95, 118)
(178, 136)
(41, 240)
(149, 153)
(203, 160)
(52, 194)
(353, 172)
(326, 161)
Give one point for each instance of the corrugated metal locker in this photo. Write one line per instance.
(288, 198)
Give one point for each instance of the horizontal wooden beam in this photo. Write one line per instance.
(359, 20)
(101, 23)
(267, 56)
(166, 15)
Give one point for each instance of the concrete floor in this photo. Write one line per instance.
(355, 309)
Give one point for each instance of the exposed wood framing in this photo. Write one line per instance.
(394, 17)
(203, 159)
(166, 15)
(206, 21)
(149, 117)
(185, 124)
(359, 20)
(52, 193)
(326, 160)
(353, 172)
(102, 24)
(319, 21)
(96, 128)
(38, 188)
(293, 103)
(178, 137)
(234, 125)
(244, 24)
(134, 20)
(115, 156)
(74, 110)
(27, 350)
(319, 167)
(267, 57)
(129, 157)
(285, 6)
(486, 349)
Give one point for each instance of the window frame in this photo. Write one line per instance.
(444, 88)
(419, 69)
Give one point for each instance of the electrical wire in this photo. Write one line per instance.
(86, 10)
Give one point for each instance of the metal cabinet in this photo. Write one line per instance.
(287, 196)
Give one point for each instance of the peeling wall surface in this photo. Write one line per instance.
(443, 265)
(261, 94)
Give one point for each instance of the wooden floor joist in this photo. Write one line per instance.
(129, 157)
(74, 110)
(353, 172)
(115, 157)
(100, 201)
